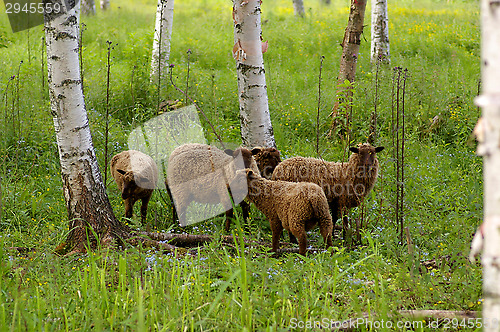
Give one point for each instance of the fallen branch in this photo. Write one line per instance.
(193, 240)
(438, 314)
(189, 240)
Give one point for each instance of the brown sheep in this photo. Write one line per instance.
(203, 173)
(345, 184)
(267, 159)
(136, 175)
(296, 207)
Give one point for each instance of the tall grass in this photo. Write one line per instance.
(236, 288)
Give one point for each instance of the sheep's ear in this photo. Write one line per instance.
(256, 151)
(121, 171)
(353, 149)
(250, 174)
(378, 149)
(229, 152)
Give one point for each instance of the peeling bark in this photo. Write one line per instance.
(91, 218)
(352, 40)
(256, 127)
(350, 48)
(380, 32)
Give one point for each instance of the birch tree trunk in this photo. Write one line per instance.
(104, 4)
(490, 150)
(298, 8)
(91, 218)
(351, 42)
(88, 7)
(380, 32)
(350, 48)
(163, 33)
(256, 127)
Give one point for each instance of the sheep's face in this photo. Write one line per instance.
(366, 156)
(133, 184)
(246, 157)
(267, 159)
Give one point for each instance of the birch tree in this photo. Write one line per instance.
(350, 49)
(163, 33)
(88, 7)
(488, 133)
(104, 4)
(380, 32)
(352, 41)
(256, 127)
(91, 218)
(298, 8)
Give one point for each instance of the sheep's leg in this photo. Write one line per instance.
(182, 202)
(277, 229)
(229, 216)
(129, 207)
(144, 208)
(175, 217)
(334, 210)
(245, 209)
(292, 238)
(326, 233)
(301, 237)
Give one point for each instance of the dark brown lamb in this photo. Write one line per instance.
(296, 207)
(267, 159)
(136, 175)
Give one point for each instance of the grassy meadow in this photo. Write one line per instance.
(221, 288)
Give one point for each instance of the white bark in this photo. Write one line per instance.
(298, 8)
(490, 150)
(88, 7)
(163, 33)
(83, 189)
(104, 4)
(380, 32)
(256, 127)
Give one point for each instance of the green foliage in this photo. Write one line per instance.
(235, 288)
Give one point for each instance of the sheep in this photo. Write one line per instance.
(267, 159)
(135, 174)
(296, 207)
(203, 173)
(345, 184)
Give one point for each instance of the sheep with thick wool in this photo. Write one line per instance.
(345, 184)
(296, 207)
(135, 174)
(203, 173)
(267, 159)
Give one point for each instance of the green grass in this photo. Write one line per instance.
(226, 288)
